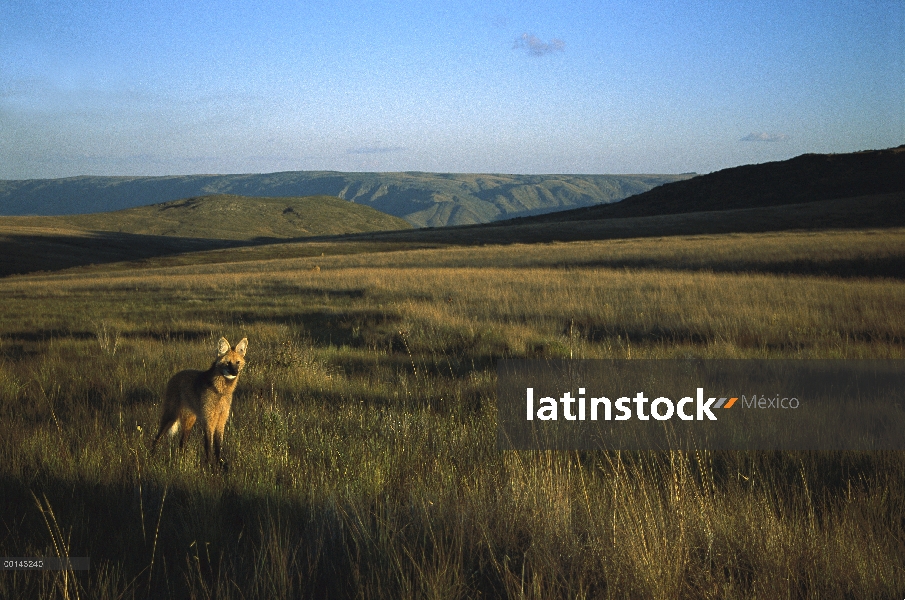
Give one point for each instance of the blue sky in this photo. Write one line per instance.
(159, 88)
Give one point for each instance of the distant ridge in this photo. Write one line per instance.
(864, 190)
(422, 199)
(803, 179)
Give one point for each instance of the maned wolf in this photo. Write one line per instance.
(204, 396)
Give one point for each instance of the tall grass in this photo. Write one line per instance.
(362, 439)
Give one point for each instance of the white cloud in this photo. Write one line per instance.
(535, 46)
(375, 150)
(764, 137)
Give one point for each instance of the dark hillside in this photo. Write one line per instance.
(806, 178)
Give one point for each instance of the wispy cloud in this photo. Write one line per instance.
(500, 21)
(535, 46)
(763, 136)
(375, 150)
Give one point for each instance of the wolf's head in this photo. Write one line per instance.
(230, 360)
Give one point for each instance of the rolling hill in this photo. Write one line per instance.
(189, 225)
(422, 199)
(811, 192)
(228, 217)
(803, 179)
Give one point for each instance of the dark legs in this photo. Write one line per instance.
(214, 438)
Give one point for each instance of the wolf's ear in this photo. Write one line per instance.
(222, 347)
(242, 346)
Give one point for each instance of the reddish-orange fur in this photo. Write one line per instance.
(205, 397)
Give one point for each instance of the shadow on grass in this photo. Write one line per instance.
(212, 538)
(43, 335)
(449, 367)
(206, 534)
(182, 335)
(25, 253)
(280, 289)
(892, 267)
(598, 331)
(354, 328)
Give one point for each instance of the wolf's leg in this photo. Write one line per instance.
(167, 420)
(187, 421)
(218, 433)
(218, 443)
(207, 444)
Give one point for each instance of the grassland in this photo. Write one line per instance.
(362, 441)
(28, 246)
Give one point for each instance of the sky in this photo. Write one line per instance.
(117, 87)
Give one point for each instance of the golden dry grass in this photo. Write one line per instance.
(363, 433)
